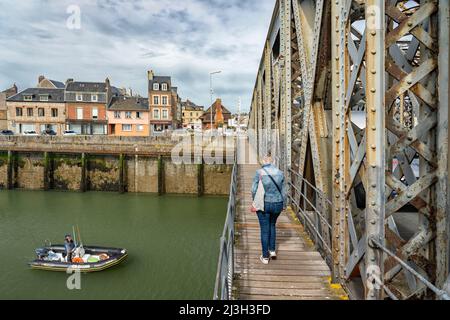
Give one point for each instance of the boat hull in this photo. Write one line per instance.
(116, 256)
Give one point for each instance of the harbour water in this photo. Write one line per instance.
(172, 243)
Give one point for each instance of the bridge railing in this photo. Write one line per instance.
(225, 269)
(308, 201)
(311, 205)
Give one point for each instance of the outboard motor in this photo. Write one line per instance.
(41, 253)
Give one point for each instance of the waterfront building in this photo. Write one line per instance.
(238, 122)
(177, 109)
(86, 106)
(192, 115)
(128, 117)
(161, 103)
(43, 82)
(220, 116)
(37, 109)
(3, 108)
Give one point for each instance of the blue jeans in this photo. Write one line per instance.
(267, 221)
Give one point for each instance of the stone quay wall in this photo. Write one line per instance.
(137, 165)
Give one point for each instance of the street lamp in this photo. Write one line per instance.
(212, 92)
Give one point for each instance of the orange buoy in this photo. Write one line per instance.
(78, 260)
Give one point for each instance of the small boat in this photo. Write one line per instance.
(91, 259)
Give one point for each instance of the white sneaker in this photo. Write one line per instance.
(264, 260)
(273, 255)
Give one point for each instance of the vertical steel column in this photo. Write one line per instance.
(342, 148)
(335, 43)
(376, 142)
(443, 201)
(268, 95)
(283, 40)
(286, 18)
(259, 106)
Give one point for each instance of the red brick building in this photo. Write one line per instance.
(220, 116)
(86, 104)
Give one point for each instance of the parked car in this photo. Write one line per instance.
(49, 132)
(6, 133)
(31, 133)
(180, 133)
(70, 133)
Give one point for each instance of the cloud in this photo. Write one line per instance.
(122, 39)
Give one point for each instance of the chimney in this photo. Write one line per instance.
(109, 95)
(40, 79)
(219, 113)
(15, 89)
(151, 75)
(69, 81)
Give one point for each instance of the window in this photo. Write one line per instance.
(27, 98)
(19, 112)
(79, 97)
(156, 86)
(94, 113)
(43, 98)
(30, 112)
(156, 114)
(140, 128)
(54, 112)
(128, 115)
(138, 115)
(79, 114)
(41, 112)
(116, 114)
(94, 98)
(164, 100)
(164, 87)
(156, 100)
(127, 127)
(165, 114)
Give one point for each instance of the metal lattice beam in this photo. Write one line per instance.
(356, 95)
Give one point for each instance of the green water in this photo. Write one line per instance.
(172, 243)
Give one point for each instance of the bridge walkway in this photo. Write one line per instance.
(299, 273)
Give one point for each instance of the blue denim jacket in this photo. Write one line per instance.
(272, 195)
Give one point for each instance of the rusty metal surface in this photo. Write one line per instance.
(387, 60)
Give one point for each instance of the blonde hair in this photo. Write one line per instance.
(268, 158)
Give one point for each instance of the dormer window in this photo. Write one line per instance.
(79, 97)
(43, 98)
(94, 98)
(156, 86)
(28, 98)
(164, 87)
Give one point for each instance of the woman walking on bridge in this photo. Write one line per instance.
(269, 195)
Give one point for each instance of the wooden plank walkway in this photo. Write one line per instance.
(299, 273)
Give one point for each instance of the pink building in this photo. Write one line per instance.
(128, 117)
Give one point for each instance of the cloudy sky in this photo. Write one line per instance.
(122, 39)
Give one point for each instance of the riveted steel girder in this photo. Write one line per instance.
(357, 92)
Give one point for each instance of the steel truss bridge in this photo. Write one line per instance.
(352, 98)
